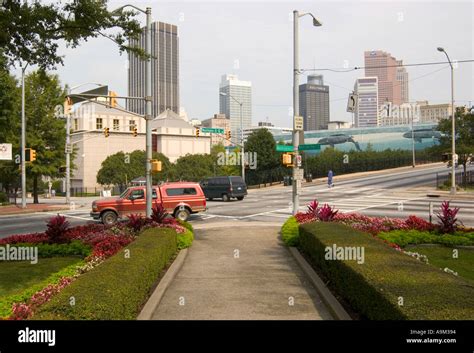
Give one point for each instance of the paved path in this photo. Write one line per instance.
(240, 272)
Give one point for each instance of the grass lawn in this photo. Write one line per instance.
(442, 256)
(19, 275)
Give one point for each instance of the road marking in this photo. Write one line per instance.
(70, 216)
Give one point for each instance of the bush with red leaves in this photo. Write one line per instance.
(327, 213)
(417, 223)
(303, 218)
(447, 218)
(158, 213)
(32, 238)
(136, 222)
(56, 230)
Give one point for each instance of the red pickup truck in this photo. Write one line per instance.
(180, 199)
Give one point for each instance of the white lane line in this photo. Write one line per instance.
(70, 216)
(381, 205)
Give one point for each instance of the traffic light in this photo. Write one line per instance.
(155, 166)
(106, 132)
(228, 134)
(113, 100)
(67, 105)
(286, 159)
(197, 132)
(135, 132)
(30, 155)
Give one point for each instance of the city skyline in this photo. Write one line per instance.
(406, 30)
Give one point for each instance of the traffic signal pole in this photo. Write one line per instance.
(148, 116)
(23, 140)
(296, 110)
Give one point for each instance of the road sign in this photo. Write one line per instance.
(6, 151)
(352, 102)
(298, 123)
(309, 147)
(284, 148)
(212, 130)
(298, 174)
(298, 160)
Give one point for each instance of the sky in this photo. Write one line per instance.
(255, 41)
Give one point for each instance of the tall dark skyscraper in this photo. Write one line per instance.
(314, 103)
(164, 71)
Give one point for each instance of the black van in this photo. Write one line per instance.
(224, 187)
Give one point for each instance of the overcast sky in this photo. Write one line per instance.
(257, 36)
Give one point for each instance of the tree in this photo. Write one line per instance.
(195, 167)
(216, 153)
(44, 132)
(31, 30)
(120, 168)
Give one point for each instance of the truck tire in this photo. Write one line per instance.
(225, 198)
(240, 198)
(109, 218)
(182, 215)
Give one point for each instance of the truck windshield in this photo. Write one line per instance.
(123, 194)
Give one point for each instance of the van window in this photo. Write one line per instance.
(181, 191)
(222, 181)
(236, 180)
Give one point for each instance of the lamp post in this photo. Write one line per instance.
(242, 162)
(296, 111)
(148, 116)
(453, 132)
(23, 139)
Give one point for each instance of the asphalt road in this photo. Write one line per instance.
(394, 193)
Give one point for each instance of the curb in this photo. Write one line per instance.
(30, 211)
(155, 298)
(328, 298)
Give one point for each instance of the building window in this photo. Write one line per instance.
(131, 125)
(98, 124)
(76, 124)
(116, 125)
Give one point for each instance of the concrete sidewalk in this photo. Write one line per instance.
(240, 272)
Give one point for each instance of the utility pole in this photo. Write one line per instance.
(148, 117)
(68, 155)
(23, 139)
(242, 143)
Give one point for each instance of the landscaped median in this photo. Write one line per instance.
(91, 272)
(364, 262)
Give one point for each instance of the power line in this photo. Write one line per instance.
(386, 66)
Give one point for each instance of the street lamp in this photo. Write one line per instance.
(148, 116)
(241, 133)
(453, 140)
(296, 111)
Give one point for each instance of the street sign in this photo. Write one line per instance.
(6, 152)
(100, 91)
(284, 148)
(298, 174)
(352, 102)
(68, 148)
(309, 147)
(299, 123)
(298, 160)
(212, 130)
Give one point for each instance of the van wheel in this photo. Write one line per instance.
(240, 198)
(109, 218)
(182, 215)
(225, 197)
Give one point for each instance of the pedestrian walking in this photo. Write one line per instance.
(330, 175)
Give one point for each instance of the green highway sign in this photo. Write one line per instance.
(284, 148)
(212, 130)
(309, 147)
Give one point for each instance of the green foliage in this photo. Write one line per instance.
(186, 225)
(195, 167)
(32, 30)
(406, 237)
(74, 248)
(374, 287)
(290, 232)
(117, 288)
(223, 169)
(3, 198)
(16, 275)
(185, 240)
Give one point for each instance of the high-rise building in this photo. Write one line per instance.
(392, 78)
(366, 113)
(236, 92)
(314, 103)
(164, 71)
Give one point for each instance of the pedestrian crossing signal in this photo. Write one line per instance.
(155, 166)
(286, 159)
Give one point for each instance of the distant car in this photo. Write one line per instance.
(179, 199)
(224, 187)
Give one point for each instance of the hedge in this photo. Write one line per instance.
(290, 232)
(117, 288)
(374, 288)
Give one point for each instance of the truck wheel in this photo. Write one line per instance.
(182, 215)
(240, 198)
(109, 218)
(225, 197)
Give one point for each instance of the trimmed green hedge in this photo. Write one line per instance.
(375, 287)
(117, 288)
(74, 248)
(406, 237)
(185, 240)
(290, 232)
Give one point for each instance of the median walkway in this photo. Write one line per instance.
(240, 271)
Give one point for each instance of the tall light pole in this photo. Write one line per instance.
(23, 139)
(453, 131)
(148, 117)
(296, 110)
(242, 162)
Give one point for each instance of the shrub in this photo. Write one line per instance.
(117, 288)
(56, 229)
(447, 218)
(136, 222)
(327, 213)
(374, 287)
(185, 240)
(302, 218)
(313, 208)
(417, 223)
(290, 232)
(158, 213)
(74, 248)
(185, 224)
(3, 198)
(33, 238)
(407, 237)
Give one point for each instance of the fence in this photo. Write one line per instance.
(462, 179)
(81, 192)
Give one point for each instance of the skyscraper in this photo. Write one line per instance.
(241, 91)
(164, 71)
(392, 79)
(366, 113)
(314, 103)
